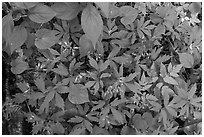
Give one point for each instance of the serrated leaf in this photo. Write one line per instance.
(17, 38)
(46, 38)
(76, 119)
(163, 71)
(36, 95)
(41, 13)
(63, 89)
(45, 104)
(61, 70)
(66, 10)
(40, 83)
(92, 23)
(88, 126)
(18, 66)
(78, 95)
(192, 91)
(59, 101)
(100, 105)
(116, 102)
(103, 66)
(19, 98)
(186, 59)
(104, 6)
(171, 111)
(93, 63)
(170, 80)
(134, 87)
(117, 115)
(77, 131)
(130, 77)
(139, 122)
(85, 46)
(129, 14)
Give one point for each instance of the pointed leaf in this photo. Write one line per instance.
(92, 23)
(58, 128)
(117, 115)
(61, 70)
(170, 80)
(160, 29)
(76, 119)
(104, 6)
(192, 91)
(41, 13)
(129, 14)
(59, 101)
(93, 63)
(85, 46)
(18, 66)
(40, 83)
(66, 10)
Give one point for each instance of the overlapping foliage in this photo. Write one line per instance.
(106, 68)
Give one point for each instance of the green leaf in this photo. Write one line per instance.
(85, 46)
(148, 118)
(192, 91)
(129, 14)
(17, 38)
(61, 70)
(104, 6)
(89, 84)
(116, 102)
(40, 83)
(92, 23)
(78, 95)
(134, 87)
(118, 116)
(170, 80)
(36, 95)
(103, 66)
(59, 101)
(93, 63)
(19, 98)
(186, 59)
(155, 18)
(23, 86)
(66, 10)
(46, 38)
(18, 66)
(63, 89)
(41, 13)
(37, 128)
(77, 131)
(88, 126)
(100, 105)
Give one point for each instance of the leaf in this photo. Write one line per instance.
(76, 119)
(155, 18)
(117, 115)
(18, 66)
(100, 105)
(88, 126)
(170, 80)
(37, 128)
(129, 14)
(63, 89)
(17, 38)
(7, 27)
(36, 95)
(92, 23)
(23, 86)
(134, 87)
(93, 63)
(25, 5)
(192, 91)
(89, 84)
(66, 10)
(46, 38)
(59, 101)
(40, 83)
(139, 122)
(19, 98)
(41, 13)
(104, 6)
(45, 104)
(85, 46)
(186, 59)
(58, 128)
(78, 95)
(160, 29)
(116, 102)
(61, 70)
(77, 131)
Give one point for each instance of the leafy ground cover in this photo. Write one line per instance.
(102, 68)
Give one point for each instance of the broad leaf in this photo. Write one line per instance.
(17, 38)
(92, 23)
(66, 10)
(104, 6)
(25, 5)
(170, 80)
(129, 14)
(18, 66)
(41, 13)
(160, 29)
(46, 38)
(186, 59)
(139, 123)
(117, 115)
(85, 46)
(7, 27)
(78, 95)
(58, 128)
